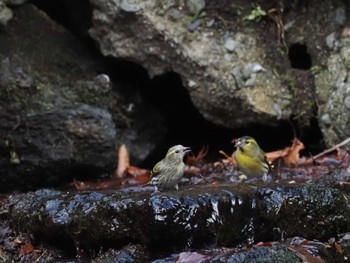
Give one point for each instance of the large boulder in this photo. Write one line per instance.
(240, 66)
(62, 115)
(224, 70)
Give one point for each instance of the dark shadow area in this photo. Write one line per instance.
(188, 127)
(299, 57)
(73, 15)
(312, 137)
(59, 242)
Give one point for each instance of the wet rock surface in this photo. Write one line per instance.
(223, 216)
(258, 254)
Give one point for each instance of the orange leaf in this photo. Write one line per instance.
(27, 248)
(290, 154)
(293, 156)
(141, 176)
(264, 244)
(228, 158)
(338, 248)
(123, 161)
(192, 158)
(272, 156)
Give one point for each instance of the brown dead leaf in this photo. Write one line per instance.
(123, 161)
(228, 158)
(192, 158)
(26, 248)
(139, 176)
(190, 169)
(290, 154)
(272, 156)
(293, 155)
(263, 244)
(338, 248)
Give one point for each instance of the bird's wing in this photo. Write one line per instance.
(156, 169)
(263, 158)
(269, 168)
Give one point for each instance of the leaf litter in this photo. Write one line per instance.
(288, 165)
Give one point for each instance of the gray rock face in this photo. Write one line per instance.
(234, 77)
(224, 72)
(333, 94)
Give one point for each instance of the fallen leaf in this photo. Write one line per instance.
(338, 248)
(27, 248)
(193, 158)
(228, 158)
(294, 153)
(290, 154)
(263, 244)
(123, 161)
(192, 169)
(139, 176)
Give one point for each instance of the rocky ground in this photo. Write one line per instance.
(79, 79)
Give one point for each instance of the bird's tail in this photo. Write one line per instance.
(147, 184)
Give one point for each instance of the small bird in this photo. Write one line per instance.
(251, 160)
(168, 172)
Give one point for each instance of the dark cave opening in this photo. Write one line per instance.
(186, 124)
(299, 57)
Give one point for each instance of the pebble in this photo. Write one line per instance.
(230, 44)
(194, 25)
(326, 119)
(347, 102)
(130, 5)
(330, 40)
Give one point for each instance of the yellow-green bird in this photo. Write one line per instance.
(251, 160)
(168, 172)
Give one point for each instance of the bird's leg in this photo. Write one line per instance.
(156, 190)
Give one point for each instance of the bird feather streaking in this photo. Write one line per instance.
(168, 171)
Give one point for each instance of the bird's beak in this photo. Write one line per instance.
(187, 149)
(237, 143)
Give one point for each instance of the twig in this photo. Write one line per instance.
(332, 148)
(204, 178)
(42, 254)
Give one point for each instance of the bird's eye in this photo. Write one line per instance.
(177, 151)
(247, 142)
